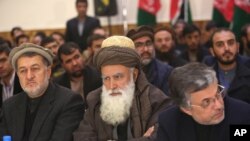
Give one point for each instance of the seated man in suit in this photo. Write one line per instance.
(9, 83)
(77, 77)
(201, 113)
(127, 105)
(44, 111)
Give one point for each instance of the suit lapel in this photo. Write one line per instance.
(44, 109)
(20, 111)
(75, 27)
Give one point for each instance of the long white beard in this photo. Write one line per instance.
(116, 109)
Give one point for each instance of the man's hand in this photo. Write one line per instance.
(149, 131)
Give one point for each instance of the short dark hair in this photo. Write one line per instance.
(190, 28)
(82, 1)
(4, 47)
(47, 40)
(14, 29)
(21, 36)
(170, 30)
(41, 34)
(141, 31)
(218, 30)
(180, 21)
(243, 32)
(94, 37)
(57, 33)
(67, 49)
(210, 25)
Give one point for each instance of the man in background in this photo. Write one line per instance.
(156, 71)
(165, 47)
(51, 44)
(77, 76)
(9, 82)
(232, 73)
(78, 29)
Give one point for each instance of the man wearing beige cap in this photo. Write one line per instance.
(126, 107)
(44, 111)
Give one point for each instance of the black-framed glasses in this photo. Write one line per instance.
(209, 102)
(139, 45)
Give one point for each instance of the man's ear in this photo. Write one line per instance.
(135, 74)
(211, 50)
(186, 110)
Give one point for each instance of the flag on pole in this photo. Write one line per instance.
(180, 9)
(147, 10)
(241, 15)
(223, 12)
(175, 10)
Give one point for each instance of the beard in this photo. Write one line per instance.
(116, 109)
(223, 59)
(77, 74)
(38, 90)
(146, 61)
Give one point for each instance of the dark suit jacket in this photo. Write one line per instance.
(59, 114)
(92, 80)
(17, 89)
(72, 35)
(240, 85)
(175, 125)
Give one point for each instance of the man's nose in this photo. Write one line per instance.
(30, 74)
(113, 84)
(218, 104)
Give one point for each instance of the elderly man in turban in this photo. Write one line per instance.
(127, 106)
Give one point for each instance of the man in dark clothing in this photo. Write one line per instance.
(193, 52)
(9, 82)
(79, 28)
(230, 68)
(44, 111)
(201, 113)
(77, 77)
(156, 71)
(165, 47)
(127, 106)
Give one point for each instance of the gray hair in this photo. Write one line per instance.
(188, 79)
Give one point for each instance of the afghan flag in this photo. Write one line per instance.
(241, 15)
(147, 11)
(180, 9)
(223, 12)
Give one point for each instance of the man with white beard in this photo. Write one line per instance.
(44, 110)
(127, 106)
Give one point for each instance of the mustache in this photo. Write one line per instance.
(227, 52)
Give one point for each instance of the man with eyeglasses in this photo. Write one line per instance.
(231, 71)
(156, 71)
(202, 113)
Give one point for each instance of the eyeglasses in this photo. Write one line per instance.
(209, 102)
(139, 45)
